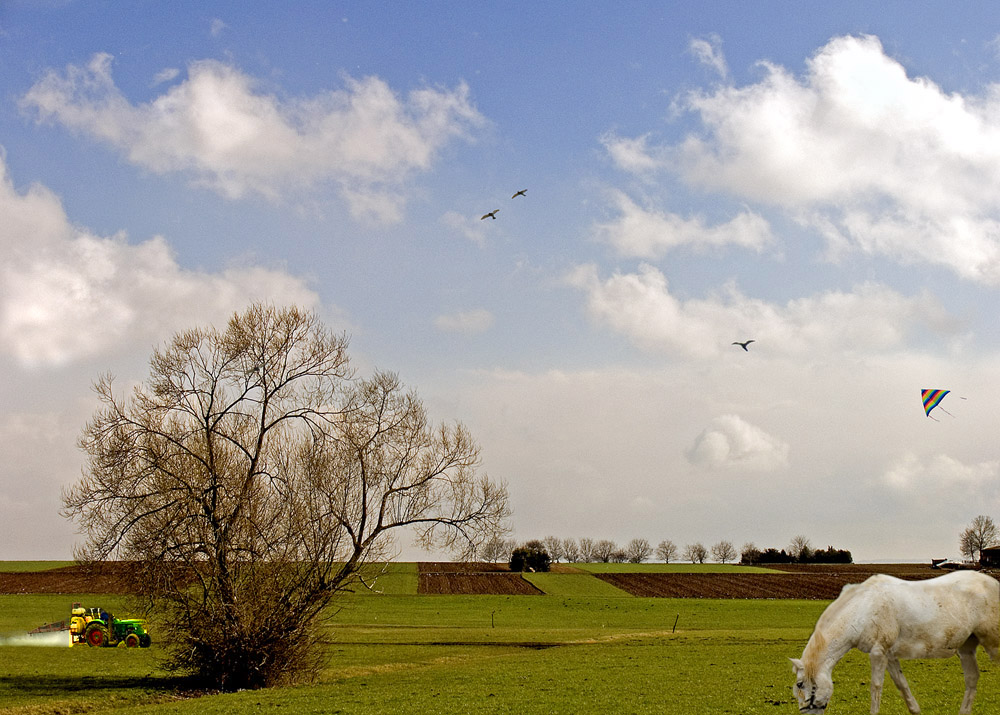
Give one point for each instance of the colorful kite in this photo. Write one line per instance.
(932, 398)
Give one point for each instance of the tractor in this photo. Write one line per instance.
(98, 628)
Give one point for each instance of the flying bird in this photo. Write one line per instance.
(522, 192)
(744, 345)
(492, 214)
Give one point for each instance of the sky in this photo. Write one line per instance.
(821, 178)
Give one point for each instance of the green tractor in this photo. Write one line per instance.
(98, 628)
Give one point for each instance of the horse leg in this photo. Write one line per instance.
(896, 672)
(967, 654)
(879, 662)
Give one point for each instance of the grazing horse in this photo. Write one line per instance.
(893, 620)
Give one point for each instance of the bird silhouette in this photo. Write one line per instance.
(744, 345)
(522, 192)
(492, 214)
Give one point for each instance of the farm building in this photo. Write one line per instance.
(990, 557)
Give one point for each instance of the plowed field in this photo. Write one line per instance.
(110, 578)
(808, 582)
(737, 585)
(471, 579)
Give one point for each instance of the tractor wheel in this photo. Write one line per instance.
(96, 635)
(131, 641)
(145, 640)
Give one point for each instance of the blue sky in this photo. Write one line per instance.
(821, 178)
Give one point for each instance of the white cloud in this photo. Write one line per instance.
(219, 128)
(216, 27)
(471, 227)
(641, 307)
(940, 472)
(69, 294)
(166, 75)
(883, 162)
(634, 154)
(648, 233)
(708, 51)
(731, 442)
(469, 322)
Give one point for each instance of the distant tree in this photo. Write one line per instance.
(619, 556)
(588, 549)
(830, 555)
(531, 556)
(695, 553)
(800, 549)
(981, 534)
(724, 552)
(554, 546)
(638, 550)
(571, 552)
(605, 550)
(750, 554)
(666, 551)
(495, 550)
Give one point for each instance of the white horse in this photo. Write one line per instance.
(894, 620)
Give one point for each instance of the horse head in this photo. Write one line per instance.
(812, 690)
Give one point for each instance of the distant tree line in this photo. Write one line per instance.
(529, 555)
(753, 556)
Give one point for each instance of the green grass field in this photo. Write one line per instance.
(575, 652)
(26, 566)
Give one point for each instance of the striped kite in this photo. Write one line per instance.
(932, 398)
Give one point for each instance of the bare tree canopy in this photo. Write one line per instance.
(638, 550)
(252, 475)
(695, 553)
(666, 551)
(724, 552)
(981, 534)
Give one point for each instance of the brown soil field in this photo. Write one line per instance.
(798, 581)
(109, 578)
(473, 578)
(733, 585)
(476, 584)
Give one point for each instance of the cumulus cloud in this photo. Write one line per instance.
(469, 322)
(650, 233)
(69, 294)
(634, 154)
(874, 159)
(731, 442)
(939, 472)
(640, 307)
(220, 128)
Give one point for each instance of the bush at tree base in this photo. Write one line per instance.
(532, 556)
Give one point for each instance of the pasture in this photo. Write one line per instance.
(584, 647)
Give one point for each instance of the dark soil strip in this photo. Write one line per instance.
(475, 584)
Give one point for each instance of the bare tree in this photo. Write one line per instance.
(570, 551)
(587, 549)
(666, 551)
(252, 476)
(604, 550)
(695, 553)
(554, 547)
(496, 550)
(724, 552)
(638, 550)
(981, 534)
(800, 549)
